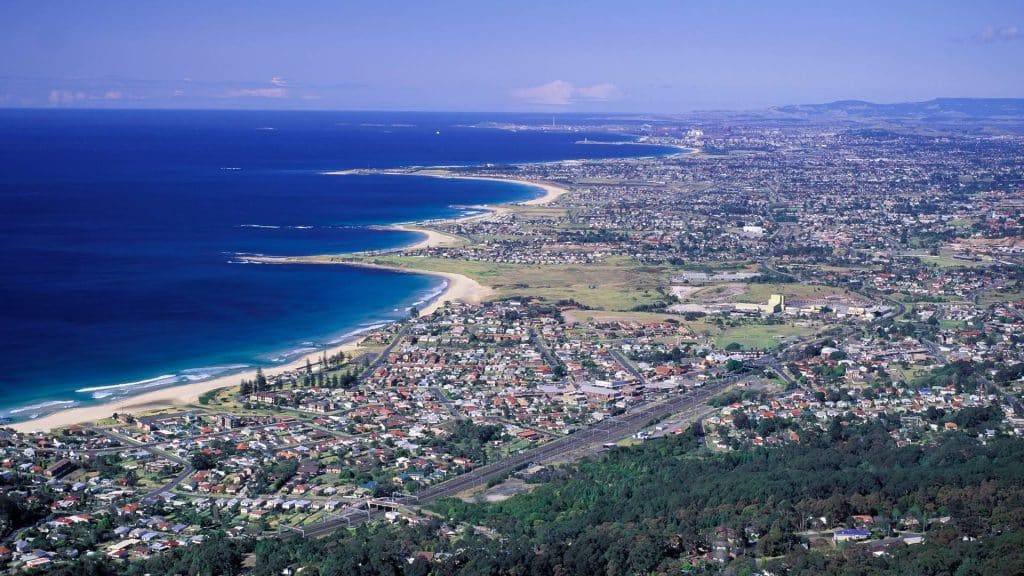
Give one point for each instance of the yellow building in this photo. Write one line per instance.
(776, 304)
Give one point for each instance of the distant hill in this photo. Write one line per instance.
(937, 108)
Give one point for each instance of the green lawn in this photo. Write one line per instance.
(989, 298)
(757, 293)
(761, 337)
(615, 285)
(946, 259)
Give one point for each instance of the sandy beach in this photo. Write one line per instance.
(171, 396)
(432, 238)
(551, 191)
(459, 289)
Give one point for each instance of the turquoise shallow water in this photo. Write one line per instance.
(121, 230)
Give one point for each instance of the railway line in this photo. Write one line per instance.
(691, 405)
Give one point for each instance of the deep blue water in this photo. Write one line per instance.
(119, 232)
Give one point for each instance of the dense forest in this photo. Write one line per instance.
(668, 505)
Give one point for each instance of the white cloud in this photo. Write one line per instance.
(65, 97)
(997, 34)
(257, 93)
(562, 93)
(557, 93)
(278, 81)
(600, 92)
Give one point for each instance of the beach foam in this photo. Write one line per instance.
(350, 335)
(184, 376)
(198, 374)
(43, 406)
(166, 378)
(430, 296)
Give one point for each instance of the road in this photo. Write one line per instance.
(1018, 408)
(187, 468)
(137, 444)
(627, 365)
(690, 405)
(779, 369)
(539, 344)
(383, 356)
(439, 394)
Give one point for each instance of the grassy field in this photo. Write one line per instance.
(616, 285)
(761, 336)
(945, 259)
(989, 298)
(590, 316)
(757, 293)
(704, 326)
(896, 372)
(532, 213)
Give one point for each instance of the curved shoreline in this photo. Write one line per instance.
(432, 238)
(459, 288)
(552, 192)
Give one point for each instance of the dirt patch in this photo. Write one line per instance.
(684, 292)
(718, 293)
(501, 492)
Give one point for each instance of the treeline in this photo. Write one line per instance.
(653, 507)
(663, 506)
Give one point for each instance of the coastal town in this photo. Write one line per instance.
(770, 281)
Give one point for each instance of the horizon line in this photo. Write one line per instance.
(495, 111)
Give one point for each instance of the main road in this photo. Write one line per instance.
(384, 353)
(691, 405)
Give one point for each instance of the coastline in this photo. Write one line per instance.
(432, 239)
(552, 192)
(169, 397)
(459, 288)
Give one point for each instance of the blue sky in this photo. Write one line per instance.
(554, 55)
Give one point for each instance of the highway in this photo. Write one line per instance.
(691, 405)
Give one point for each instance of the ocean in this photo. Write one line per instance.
(121, 232)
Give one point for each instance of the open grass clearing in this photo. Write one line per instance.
(761, 336)
(615, 285)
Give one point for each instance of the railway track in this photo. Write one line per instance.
(692, 405)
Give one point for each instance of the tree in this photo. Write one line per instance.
(203, 461)
(733, 365)
(741, 420)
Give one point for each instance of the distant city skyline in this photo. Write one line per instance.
(597, 56)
